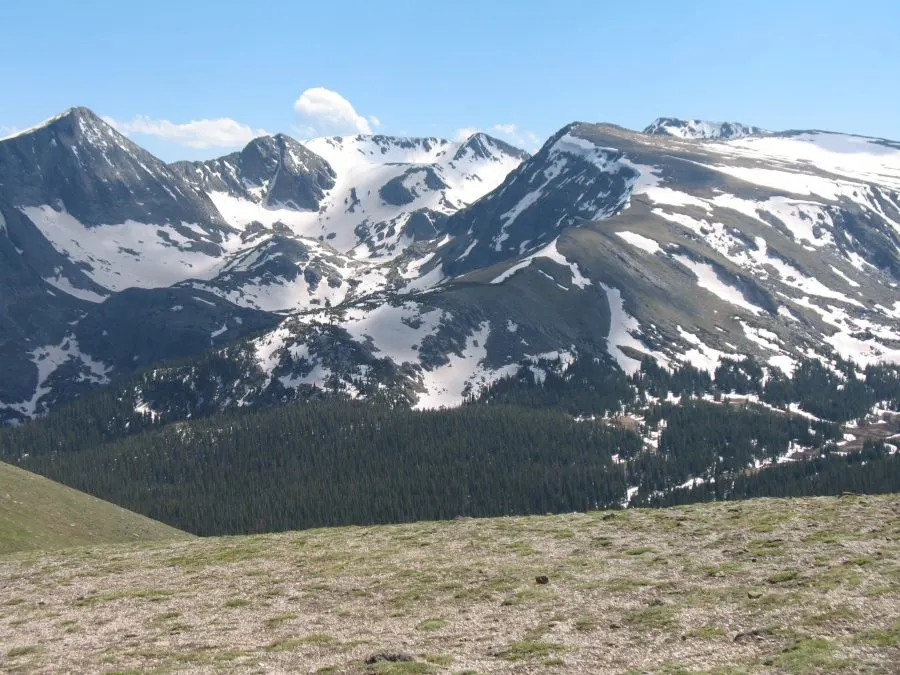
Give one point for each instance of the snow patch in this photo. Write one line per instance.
(551, 252)
(622, 327)
(127, 255)
(639, 241)
(466, 374)
(709, 280)
(48, 359)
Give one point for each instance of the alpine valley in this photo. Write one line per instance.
(690, 263)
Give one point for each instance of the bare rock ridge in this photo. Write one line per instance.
(699, 129)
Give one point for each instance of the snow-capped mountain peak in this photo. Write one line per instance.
(110, 214)
(348, 151)
(271, 171)
(483, 146)
(700, 129)
(76, 117)
(369, 195)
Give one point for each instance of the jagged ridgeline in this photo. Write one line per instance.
(542, 440)
(423, 270)
(134, 261)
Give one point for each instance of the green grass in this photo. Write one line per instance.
(288, 644)
(17, 652)
(529, 649)
(707, 633)
(806, 655)
(887, 637)
(147, 594)
(432, 624)
(278, 619)
(585, 624)
(37, 513)
(657, 617)
(783, 577)
(403, 668)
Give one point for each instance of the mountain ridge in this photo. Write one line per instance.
(109, 218)
(418, 254)
(701, 129)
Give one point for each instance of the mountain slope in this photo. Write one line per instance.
(616, 245)
(108, 206)
(79, 162)
(732, 247)
(271, 171)
(84, 215)
(37, 513)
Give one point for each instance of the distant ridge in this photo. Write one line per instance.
(700, 129)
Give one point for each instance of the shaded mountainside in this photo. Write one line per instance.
(272, 171)
(748, 257)
(38, 514)
(764, 586)
(79, 163)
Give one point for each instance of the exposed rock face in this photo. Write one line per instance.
(274, 171)
(699, 129)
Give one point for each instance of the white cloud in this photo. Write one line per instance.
(465, 132)
(523, 139)
(223, 132)
(329, 112)
(506, 129)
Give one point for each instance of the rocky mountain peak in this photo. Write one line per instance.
(270, 170)
(483, 146)
(700, 129)
(436, 266)
(76, 127)
(79, 163)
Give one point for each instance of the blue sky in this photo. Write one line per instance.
(194, 79)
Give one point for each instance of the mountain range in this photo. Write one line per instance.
(422, 270)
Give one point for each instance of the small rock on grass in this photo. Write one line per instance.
(393, 657)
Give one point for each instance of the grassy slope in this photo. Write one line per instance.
(803, 585)
(37, 513)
